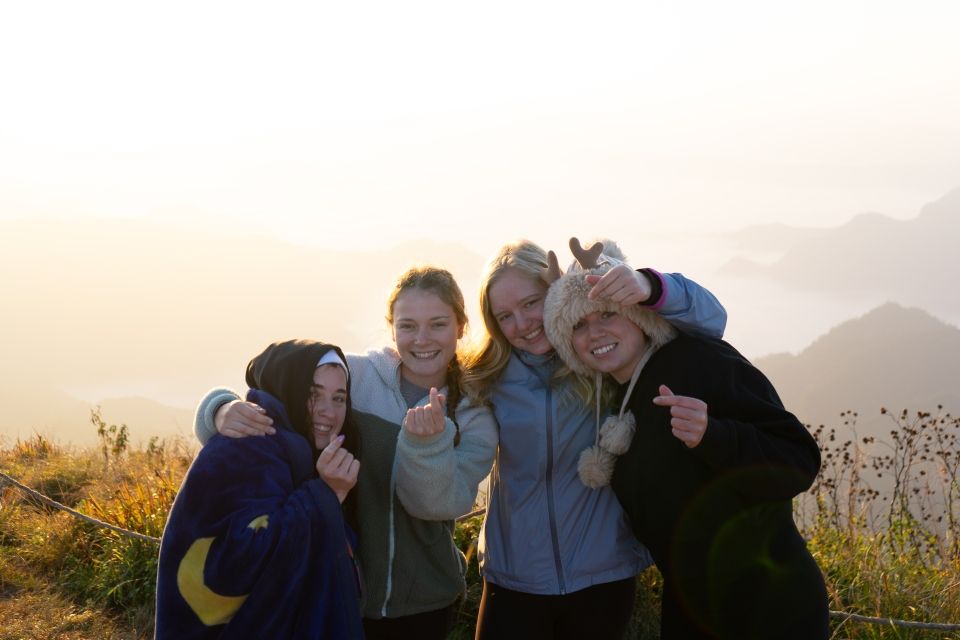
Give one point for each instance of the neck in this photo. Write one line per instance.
(423, 381)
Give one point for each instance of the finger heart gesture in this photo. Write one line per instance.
(338, 468)
(688, 416)
(428, 419)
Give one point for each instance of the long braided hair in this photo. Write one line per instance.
(441, 283)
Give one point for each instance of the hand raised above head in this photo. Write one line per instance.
(621, 285)
(338, 468)
(429, 419)
(239, 419)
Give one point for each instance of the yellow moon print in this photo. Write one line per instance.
(211, 607)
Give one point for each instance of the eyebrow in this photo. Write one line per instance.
(446, 316)
(314, 385)
(521, 301)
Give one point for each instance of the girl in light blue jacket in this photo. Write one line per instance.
(558, 559)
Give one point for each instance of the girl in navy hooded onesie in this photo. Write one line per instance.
(256, 545)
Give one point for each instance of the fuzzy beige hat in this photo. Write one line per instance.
(565, 305)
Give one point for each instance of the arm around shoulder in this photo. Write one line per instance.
(204, 425)
(689, 306)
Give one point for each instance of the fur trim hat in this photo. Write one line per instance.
(567, 303)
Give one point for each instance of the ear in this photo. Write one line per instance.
(586, 257)
(459, 331)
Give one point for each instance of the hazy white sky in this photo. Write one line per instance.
(380, 122)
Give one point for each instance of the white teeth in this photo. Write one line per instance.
(322, 428)
(425, 355)
(599, 351)
(533, 334)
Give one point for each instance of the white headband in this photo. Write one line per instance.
(331, 357)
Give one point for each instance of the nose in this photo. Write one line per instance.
(323, 408)
(594, 329)
(421, 335)
(523, 321)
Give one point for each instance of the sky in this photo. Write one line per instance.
(375, 123)
(369, 125)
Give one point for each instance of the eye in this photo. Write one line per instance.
(503, 317)
(579, 325)
(531, 303)
(340, 399)
(606, 315)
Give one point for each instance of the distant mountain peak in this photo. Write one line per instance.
(889, 326)
(945, 208)
(870, 218)
(890, 356)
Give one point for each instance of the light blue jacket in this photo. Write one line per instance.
(545, 531)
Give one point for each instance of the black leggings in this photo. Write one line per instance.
(430, 625)
(599, 612)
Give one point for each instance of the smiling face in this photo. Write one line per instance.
(607, 342)
(516, 303)
(327, 403)
(425, 331)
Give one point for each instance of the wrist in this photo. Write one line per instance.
(656, 287)
(220, 414)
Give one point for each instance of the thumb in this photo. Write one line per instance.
(436, 399)
(593, 278)
(334, 444)
(665, 390)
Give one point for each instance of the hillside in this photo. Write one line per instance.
(61, 417)
(912, 261)
(892, 357)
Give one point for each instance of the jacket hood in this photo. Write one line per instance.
(285, 371)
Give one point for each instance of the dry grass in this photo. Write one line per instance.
(883, 521)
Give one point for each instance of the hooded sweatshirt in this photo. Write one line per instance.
(256, 544)
(409, 491)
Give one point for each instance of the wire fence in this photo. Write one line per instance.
(837, 615)
(82, 516)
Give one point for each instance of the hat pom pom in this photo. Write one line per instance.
(616, 434)
(595, 467)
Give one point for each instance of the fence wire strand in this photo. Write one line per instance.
(53, 503)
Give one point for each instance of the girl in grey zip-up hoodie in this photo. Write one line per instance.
(558, 558)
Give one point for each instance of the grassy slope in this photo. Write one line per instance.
(63, 578)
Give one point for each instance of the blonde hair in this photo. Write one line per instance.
(484, 364)
(442, 284)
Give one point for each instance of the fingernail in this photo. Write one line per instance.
(271, 430)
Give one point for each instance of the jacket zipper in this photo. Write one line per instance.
(391, 540)
(551, 509)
